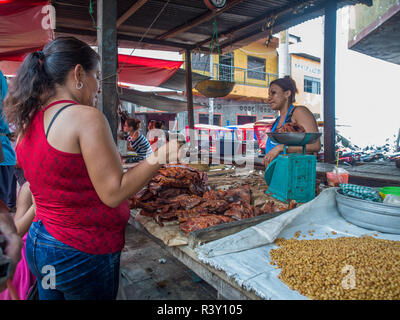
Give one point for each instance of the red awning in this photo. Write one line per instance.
(135, 70)
(146, 71)
(23, 28)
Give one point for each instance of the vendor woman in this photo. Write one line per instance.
(281, 96)
(137, 141)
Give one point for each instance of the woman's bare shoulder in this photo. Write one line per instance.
(301, 108)
(88, 115)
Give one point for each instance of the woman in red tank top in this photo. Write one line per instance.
(69, 157)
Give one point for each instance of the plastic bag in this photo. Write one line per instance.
(392, 199)
(337, 176)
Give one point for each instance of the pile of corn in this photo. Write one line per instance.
(363, 268)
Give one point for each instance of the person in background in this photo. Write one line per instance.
(281, 96)
(13, 242)
(7, 166)
(137, 141)
(150, 126)
(150, 134)
(157, 136)
(23, 278)
(69, 157)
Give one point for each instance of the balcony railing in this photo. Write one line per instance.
(238, 75)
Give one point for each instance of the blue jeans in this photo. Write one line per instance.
(65, 273)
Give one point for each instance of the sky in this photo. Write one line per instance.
(367, 99)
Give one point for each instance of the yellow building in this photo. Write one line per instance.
(306, 72)
(251, 68)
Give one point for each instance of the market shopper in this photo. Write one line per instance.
(69, 157)
(137, 141)
(281, 96)
(13, 243)
(7, 165)
(157, 135)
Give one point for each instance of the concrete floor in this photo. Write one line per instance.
(145, 277)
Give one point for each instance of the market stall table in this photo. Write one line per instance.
(239, 265)
(376, 174)
(182, 247)
(227, 288)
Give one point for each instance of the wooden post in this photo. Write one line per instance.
(108, 51)
(329, 80)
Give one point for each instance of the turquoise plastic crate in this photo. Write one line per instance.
(292, 177)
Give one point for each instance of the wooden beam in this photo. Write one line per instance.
(164, 43)
(329, 80)
(198, 20)
(126, 37)
(135, 7)
(259, 19)
(108, 51)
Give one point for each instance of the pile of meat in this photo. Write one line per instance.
(291, 127)
(180, 192)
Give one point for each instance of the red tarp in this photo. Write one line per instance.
(146, 71)
(21, 28)
(21, 32)
(135, 70)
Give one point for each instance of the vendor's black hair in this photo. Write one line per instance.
(287, 84)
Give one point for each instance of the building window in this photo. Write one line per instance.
(255, 68)
(312, 85)
(245, 119)
(203, 119)
(201, 62)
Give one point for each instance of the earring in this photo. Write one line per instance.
(79, 85)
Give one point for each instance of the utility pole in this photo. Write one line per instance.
(283, 51)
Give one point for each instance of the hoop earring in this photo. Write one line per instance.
(79, 85)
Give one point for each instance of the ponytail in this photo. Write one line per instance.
(27, 91)
(39, 74)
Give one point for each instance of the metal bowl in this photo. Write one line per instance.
(368, 214)
(294, 138)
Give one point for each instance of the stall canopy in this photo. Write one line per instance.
(25, 27)
(146, 71)
(21, 28)
(153, 100)
(134, 70)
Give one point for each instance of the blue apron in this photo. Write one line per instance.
(270, 144)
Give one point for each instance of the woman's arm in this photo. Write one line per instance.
(13, 243)
(103, 163)
(304, 117)
(26, 210)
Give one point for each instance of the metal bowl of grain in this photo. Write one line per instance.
(368, 214)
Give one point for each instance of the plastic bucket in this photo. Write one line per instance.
(334, 179)
(389, 190)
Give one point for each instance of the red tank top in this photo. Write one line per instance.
(66, 201)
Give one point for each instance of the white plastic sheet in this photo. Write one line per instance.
(244, 256)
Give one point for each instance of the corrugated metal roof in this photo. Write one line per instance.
(239, 23)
